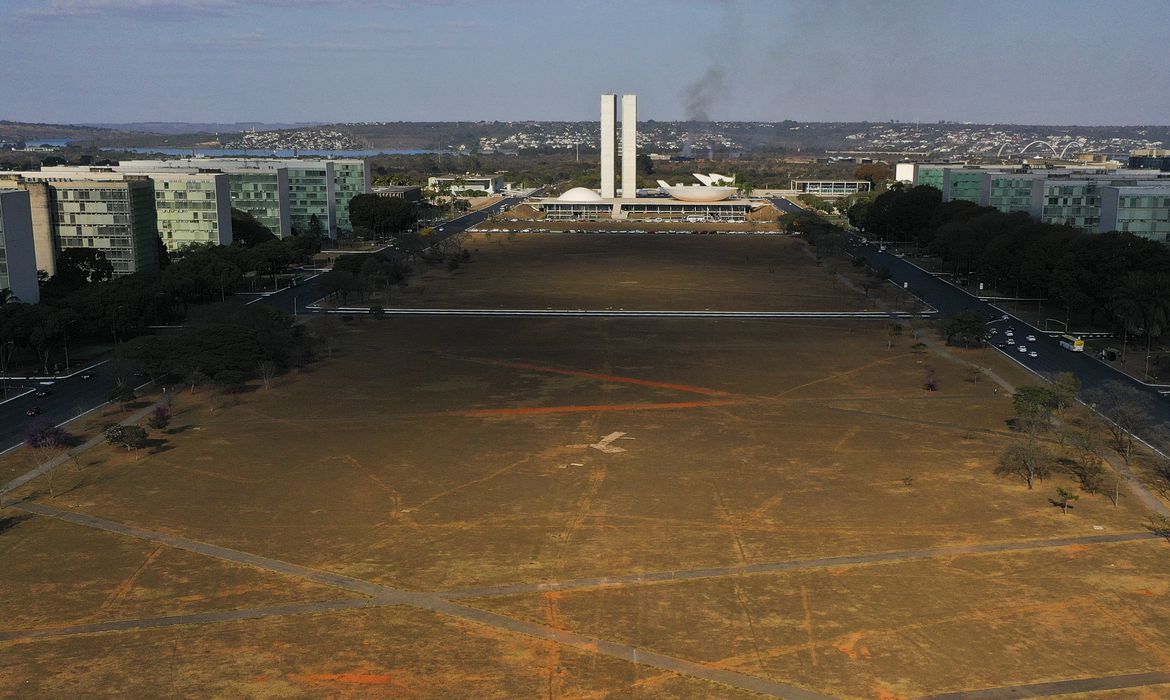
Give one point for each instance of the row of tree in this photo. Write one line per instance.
(1110, 278)
(84, 303)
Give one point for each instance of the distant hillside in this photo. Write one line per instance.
(21, 131)
(173, 128)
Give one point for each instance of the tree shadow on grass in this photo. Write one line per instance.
(12, 521)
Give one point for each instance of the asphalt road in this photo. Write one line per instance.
(786, 206)
(295, 300)
(1051, 358)
(69, 397)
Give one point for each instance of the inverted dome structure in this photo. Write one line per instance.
(709, 191)
(580, 195)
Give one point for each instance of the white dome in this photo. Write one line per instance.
(580, 194)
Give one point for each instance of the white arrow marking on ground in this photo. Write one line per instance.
(604, 444)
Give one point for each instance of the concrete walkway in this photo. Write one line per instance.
(64, 457)
(1042, 690)
(796, 565)
(386, 595)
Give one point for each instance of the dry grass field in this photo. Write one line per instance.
(526, 507)
(634, 272)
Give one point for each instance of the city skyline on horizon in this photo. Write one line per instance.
(296, 61)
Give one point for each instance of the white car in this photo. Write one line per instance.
(1031, 339)
(1023, 348)
(1032, 354)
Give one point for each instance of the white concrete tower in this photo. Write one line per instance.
(608, 145)
(629, 146)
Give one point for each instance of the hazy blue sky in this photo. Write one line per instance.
(1021, 61)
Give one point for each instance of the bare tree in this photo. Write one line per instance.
(267, 369)
(1128, 410)
(1026, 458)
(1088, 455)
(1160, 477)
(1160, 526)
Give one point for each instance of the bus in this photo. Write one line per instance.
(1073, 343)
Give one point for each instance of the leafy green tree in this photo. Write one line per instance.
(1063, 499)
(1034, 406)
(382, 215)
(247, 231)
(122, 393)
(314, 229)
(965, 329)
(874, 173)
(76, 268)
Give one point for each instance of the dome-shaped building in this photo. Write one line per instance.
(580, 195)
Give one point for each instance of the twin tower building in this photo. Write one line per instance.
(609, 146)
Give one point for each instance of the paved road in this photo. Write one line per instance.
(786, 206)
(1052, 359)
(72, 396)
(69, 398)
(295, 300)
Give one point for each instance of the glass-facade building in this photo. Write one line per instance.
(1142, 211)
(1065, 196)
(193, 208)
(310, 193)
(301, 188)
(966, 185)
(115, 217)
(931, 176)
(18, 265)
(264, 195)
(350, 178)
(1072, 203)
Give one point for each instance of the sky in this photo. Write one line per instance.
(1010, 61)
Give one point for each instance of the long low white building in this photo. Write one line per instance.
(582, 204)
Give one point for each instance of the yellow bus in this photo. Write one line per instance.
(1073, 343)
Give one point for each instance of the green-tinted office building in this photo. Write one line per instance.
(1012, 192)
(115, 217)
(311, 193)
(264, 195)
(1142, 211)
(966, 185)
(350, 178)
(930, 175)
